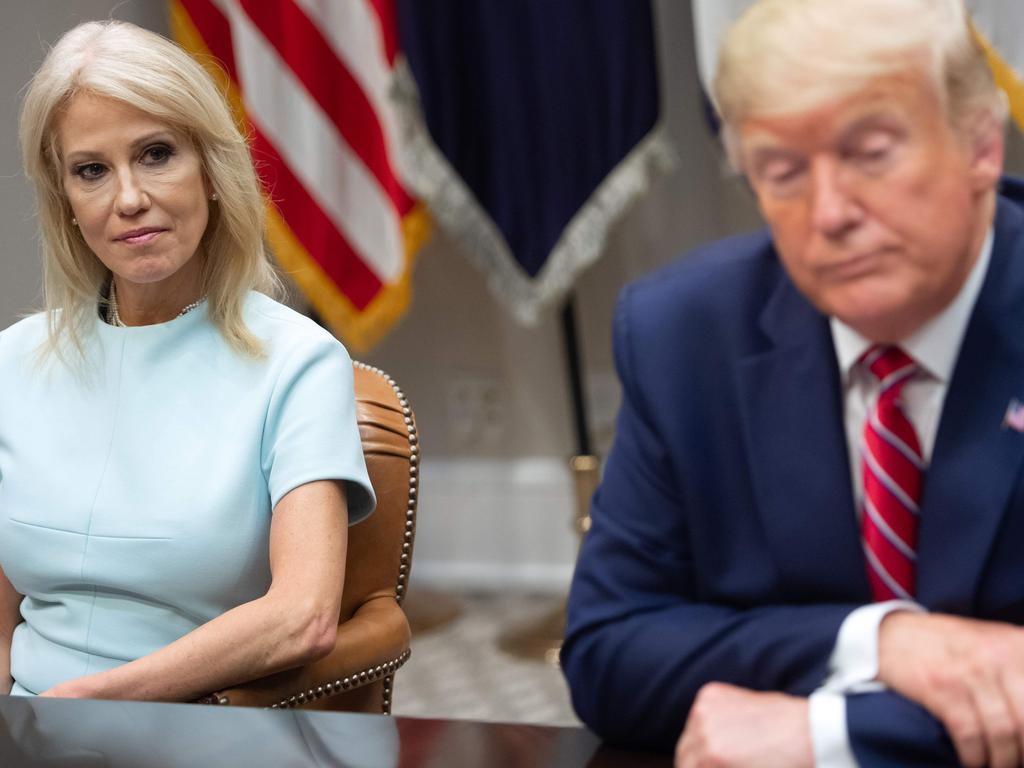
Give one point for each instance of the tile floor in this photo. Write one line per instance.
(458, 669)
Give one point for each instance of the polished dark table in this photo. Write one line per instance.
(83, 734)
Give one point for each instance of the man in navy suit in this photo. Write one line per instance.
(808, 545)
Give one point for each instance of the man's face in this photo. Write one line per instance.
(878, 209)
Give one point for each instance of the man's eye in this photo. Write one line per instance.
(872, 151)
(157, 154)
(780, 168)
(89, 171)
(872, 154)
(781, 177)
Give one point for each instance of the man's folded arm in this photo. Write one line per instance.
(887, 729)
(634, 676)
(639, 645)
(640, 642)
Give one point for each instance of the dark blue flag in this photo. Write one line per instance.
(543, 119)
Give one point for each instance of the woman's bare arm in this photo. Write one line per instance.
(10, 617)
(293, 624)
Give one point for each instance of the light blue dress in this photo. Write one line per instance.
(136, 495)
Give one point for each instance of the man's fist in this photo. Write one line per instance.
(730, 726)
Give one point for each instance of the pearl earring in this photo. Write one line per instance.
(214, 198)
(74, 221)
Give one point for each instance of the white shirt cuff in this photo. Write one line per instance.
(854, 665)
(854, 661)
(829, 737)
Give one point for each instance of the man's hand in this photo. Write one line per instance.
(968, 673)
(730, 726)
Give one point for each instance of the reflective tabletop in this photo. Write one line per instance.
(64, 732)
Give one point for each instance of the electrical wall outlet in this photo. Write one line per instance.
(477, 411)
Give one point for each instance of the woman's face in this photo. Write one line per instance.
(137, 189)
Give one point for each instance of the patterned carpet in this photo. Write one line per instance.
(458, 669)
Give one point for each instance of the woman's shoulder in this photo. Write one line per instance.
(283, 329)
(26, 335)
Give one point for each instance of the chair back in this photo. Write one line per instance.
(380, 547)
(373, 632)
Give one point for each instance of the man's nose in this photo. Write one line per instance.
(131, 197)
(835, 208)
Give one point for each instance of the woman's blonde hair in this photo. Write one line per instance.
(120, 61)
(790, 56)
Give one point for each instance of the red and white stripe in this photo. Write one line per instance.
(314, 76)
(893, 476)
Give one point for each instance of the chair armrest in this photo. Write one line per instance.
(370, 645)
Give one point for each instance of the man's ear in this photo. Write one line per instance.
(988, 149)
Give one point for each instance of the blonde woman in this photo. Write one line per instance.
(179, 458)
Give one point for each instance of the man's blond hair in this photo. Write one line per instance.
(790, 56)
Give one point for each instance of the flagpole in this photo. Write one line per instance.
(584, 464)
(570, 340)
(542, 638)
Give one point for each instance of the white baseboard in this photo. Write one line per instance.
(492, 577)
(494, 524)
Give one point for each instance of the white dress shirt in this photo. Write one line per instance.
(935, 348)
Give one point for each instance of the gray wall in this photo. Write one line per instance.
(481, 384)
(26, 30)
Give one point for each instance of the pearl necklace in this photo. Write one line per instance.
(113, 318)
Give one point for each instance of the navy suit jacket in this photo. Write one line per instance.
(725, 544)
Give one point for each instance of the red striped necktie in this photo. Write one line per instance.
(892, 466)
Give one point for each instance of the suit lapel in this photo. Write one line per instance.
(976, 462)
(795, 438)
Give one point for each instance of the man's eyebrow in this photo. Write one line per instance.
(762, 149)
(877, 118)
(759, 141)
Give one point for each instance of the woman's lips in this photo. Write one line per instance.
(141, 238)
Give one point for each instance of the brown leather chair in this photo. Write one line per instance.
(373, 633)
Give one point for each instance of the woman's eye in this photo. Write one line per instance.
(89, 171)
(156, 154)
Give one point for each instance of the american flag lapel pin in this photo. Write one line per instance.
(1014, 418)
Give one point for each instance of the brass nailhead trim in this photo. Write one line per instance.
(386, 703)
(410, 512)
(386, 670)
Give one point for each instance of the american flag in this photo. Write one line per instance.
(997, 25)
(310, 79)
(1014, 417)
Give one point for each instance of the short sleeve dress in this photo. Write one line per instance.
(136, 494)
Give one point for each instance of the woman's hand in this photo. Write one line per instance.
(79, 688)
